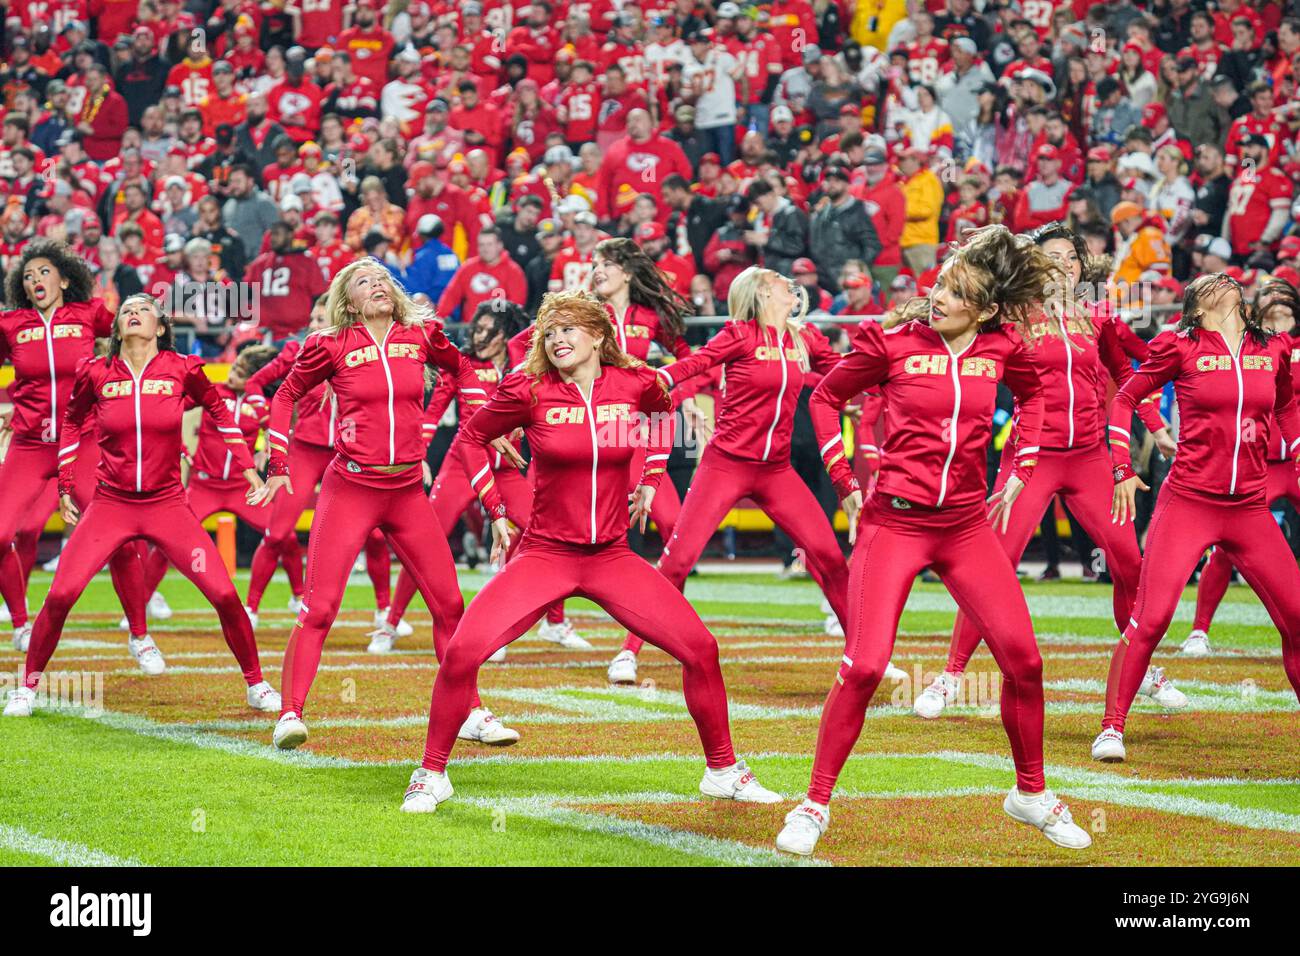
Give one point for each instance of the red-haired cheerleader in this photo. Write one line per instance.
(645, 311)
(1076, 350)
(215, 483)
(492, 327)
(765, 352)
(939, 374)
(583, 404)
(1229, 376)
(137, 396)
(49, 332)
(311, 449)
(373, 354)
(1278, 307)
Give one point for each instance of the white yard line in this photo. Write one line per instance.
(61, 852)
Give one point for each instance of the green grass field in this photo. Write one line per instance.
(176, 770)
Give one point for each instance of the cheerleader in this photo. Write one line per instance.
(137, 395)
(581, 402)
(1230, 374)
(939, 373)
(373, 355)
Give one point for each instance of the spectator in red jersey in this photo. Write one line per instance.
(641, 160)
(678, 270)
(1046, 198)
(480, 123)
(103, 115)
(887, 208)
(489, 275)
(329, 252)
(1259, 200)
(287, 281)
(368, 44)
(537, 41)
(295, 102)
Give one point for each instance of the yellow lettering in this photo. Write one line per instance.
(612, 413)
(403, 350)
(1256, 362)
(573, 415)
(926, 365)
(979, 366)
(67, 331)
(116, 389)
(369, 353)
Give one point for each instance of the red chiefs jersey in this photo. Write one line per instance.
(571, 269)
(285, 99)
(194, 79)
(1277, 446)
(928, 458)
(757, 56)
(631, 58)
(379, 388)
(56, 14)
(1270, 127)
(322, 22)
(370, 51)
(476, 281)
(360, 95)
(581, 105)
(1223, 399)
(331, 258)
(755, 418)
(1252, 197)
(214, 458)
(137, 420)
(1075, 379)
(45, 356)
(580, 478)
(1207, 58)
(1039, 14)
(287, 286)
(925, 60)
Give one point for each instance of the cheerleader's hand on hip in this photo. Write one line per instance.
(1000, 503)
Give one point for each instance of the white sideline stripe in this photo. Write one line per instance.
(62, 852)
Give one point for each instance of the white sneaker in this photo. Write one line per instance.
(124, 624)
(1109, 746)
(402, 629)
(262, 696)
(425, 791)
(295, 605)
(736, 782)
(382, 639)
(1197, 644)
(5, 616)
(20, 703)
(482, 727)
(23, 637)
(1162, 690)
(147, 655)
(1051, 816)
(832, 627)
(499, 657)
(894, 673)
(622, 669)
(252, 616)
(158, 608)
(290, 732)
(564, 635)
(937, 696)
(804, 826)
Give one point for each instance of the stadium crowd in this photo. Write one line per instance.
(483, 149)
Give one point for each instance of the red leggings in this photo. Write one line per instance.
(307, 464)
(893, 546)
(1082, 476)
(348, 509)
(1218, 570)
(207, 497)
(622, 583)
(1185, 523)
(28, 478)
(719, 483)
(112, 519)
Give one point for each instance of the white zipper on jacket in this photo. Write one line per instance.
(956, 412)
(239, 404)
(139, 437)
(54, 378)
(388, 376)
(1241, 396)
(780, 396)
(1069, 384)
(595, 453)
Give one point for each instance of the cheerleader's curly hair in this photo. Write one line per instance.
(581, 309)
(1209, 286)
(995, 268)
(71, 268)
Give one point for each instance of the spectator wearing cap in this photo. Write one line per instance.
(295, 103)
(1114, 115)
(368, 44)
(1288, 252)
(923, 202)
(1259, 199)
(215, 168)
(256, 136)
(489, 275)
(886, 207)
(550, 238)
(288, 280)
(727, 254)
(142, 78)
(1046, 197)
(52, 121)
(677, 269)
(694, 143)
(1172, 199)
(641, 160)
(1100, 179)
(1189, 106)
(804, 272)
(481, 124)
(212, 227)
(959, 88)
(1139, 247)
(437, 143)
(1216, 254)
(779, 230)
(840, 228)
(404, 96)
(248, 211)
(785, 140)
(537, 41)
(225, 104)
(103, 115)
(1260, 122)
(434, 264)
(432, 193)
(796, 83)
